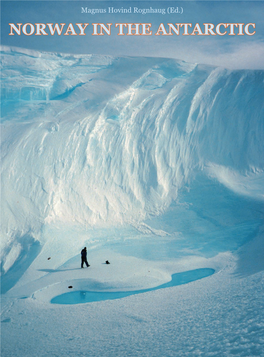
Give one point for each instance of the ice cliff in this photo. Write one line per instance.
(89, 139)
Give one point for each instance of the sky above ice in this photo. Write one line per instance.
(229, 51)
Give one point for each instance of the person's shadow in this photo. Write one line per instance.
(56, 270)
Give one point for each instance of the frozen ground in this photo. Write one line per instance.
(155, 165)
(218, 315)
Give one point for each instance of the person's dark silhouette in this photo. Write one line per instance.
(84, 257)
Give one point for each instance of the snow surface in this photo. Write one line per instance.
(156, 165)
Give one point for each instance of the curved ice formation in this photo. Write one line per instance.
(82, 297)
(92, 139)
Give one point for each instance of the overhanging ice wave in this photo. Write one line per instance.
(91, 140)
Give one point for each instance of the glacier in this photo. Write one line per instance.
(144, 159)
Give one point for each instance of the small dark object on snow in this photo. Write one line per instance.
(70, 286)
(49, 258)
(107, 262)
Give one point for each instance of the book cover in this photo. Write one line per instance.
(132, 182)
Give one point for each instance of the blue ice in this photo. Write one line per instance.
(81, 296)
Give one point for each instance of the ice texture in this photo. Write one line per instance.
(89, 139)
(154, 164)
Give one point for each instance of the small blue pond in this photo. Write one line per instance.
(81, 297)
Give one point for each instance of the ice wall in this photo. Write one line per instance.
(92, 139)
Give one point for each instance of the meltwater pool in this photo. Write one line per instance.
(83, 296)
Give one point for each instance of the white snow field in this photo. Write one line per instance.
(154, 164)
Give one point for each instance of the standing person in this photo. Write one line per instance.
(84, 257)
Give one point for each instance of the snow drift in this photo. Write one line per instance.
(93, 140)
